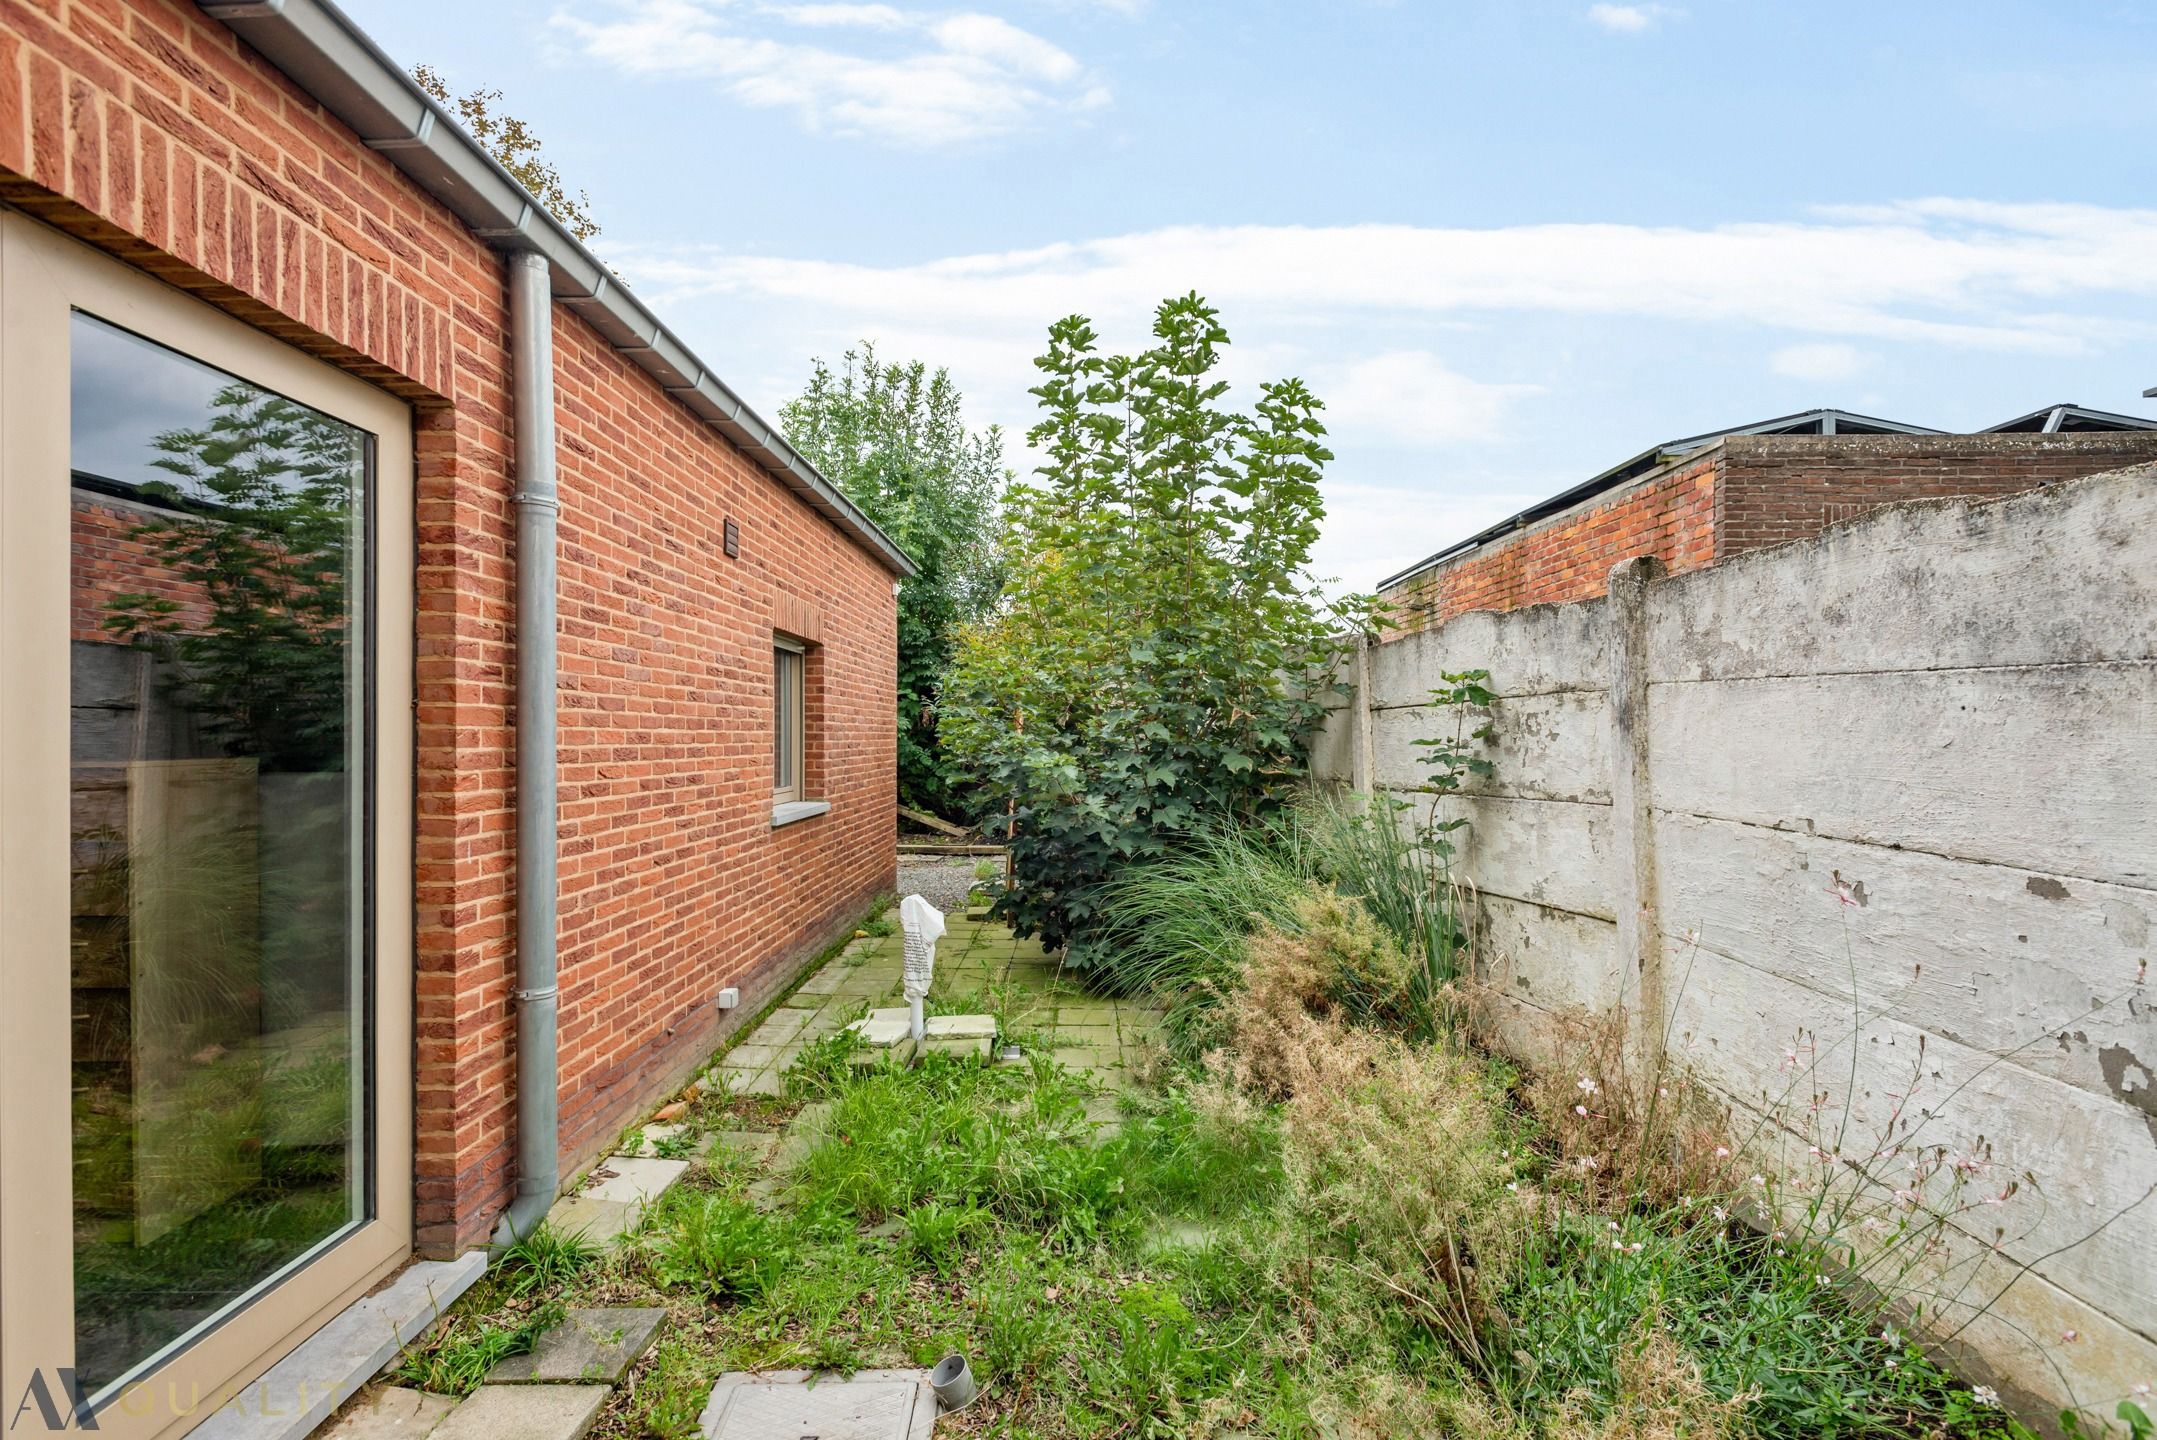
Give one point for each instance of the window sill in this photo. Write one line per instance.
(787, 812)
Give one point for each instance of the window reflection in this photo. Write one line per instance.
(218, 693)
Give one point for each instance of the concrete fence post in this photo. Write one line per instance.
(1363, 765)
(1632, 826)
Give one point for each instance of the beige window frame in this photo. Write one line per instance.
(43, 277)
(789, 721)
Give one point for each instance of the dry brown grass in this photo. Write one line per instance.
(1660, 1397)
(1626, 1138)
(1394, 1166)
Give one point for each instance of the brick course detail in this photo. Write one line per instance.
(1742, 493)
(151, 132)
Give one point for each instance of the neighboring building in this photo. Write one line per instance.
(1692, 502)
(268, 522)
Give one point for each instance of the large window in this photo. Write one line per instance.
(205, 875)
(218, 664)
(788, 669)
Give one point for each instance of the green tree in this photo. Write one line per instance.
(1163, 656)
(262, 531)
(892, 437)
(512, 143)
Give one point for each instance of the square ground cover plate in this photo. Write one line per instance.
(792, 1405)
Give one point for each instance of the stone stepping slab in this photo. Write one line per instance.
(394, 1412)
(610, 1205)
(596, 1345)
(795, 1404)
(526, 1412)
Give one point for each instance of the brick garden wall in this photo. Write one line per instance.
(1743, 493)
(1777, 488)
(1568, 557)
(149, 131)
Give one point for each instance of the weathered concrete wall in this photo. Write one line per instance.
(1915, 756)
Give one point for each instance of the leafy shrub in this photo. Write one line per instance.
(1132, 686)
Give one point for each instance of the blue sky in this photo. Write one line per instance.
(1509, 242)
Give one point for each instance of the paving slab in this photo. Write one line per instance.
(394, 1412)
(590, 1344)
(525, 1412)
(658, 1136)
(634, 1179)
(597, 1222)
(791, 1405)
(763, 1082)
(757, 1145)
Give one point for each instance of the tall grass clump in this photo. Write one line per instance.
(1175, 928)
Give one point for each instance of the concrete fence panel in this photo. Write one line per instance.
(1873, 813)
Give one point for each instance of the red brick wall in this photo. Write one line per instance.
(1569, 556)
(148, 130)
(1790, 487)
(108, 559)
(1742, 493)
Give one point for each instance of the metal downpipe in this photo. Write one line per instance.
(538, 504)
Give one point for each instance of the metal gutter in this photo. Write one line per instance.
(330, 58)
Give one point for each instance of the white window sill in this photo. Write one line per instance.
(788, 811)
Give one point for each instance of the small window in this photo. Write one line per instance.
(786, 721)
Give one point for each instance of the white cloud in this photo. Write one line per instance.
(1821, 361)
(1416, 337)
(904, 76)
(1628, 19)
(1412, 397)
(2001, 277)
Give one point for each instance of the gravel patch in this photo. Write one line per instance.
(941, 880)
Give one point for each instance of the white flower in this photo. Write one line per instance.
(1892, 1337)
(1513, 1185)
(1580, 1109)
(1587, 1086)
(1820, 1280)
(1721, 1213)
(1985, 1395)
(1633, 1248)
(2070, 1336)
(1722, 1152)
(2143, 1388)
(1760, 1180)
(1892, 1365)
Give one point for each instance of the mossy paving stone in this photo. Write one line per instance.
(590, 1344)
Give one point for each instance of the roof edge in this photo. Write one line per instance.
(318, 48)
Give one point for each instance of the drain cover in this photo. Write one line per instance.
(794, 1405)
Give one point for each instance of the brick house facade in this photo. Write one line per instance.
(1740, 492)
(148, 130)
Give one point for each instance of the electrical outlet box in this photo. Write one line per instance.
(729, 997)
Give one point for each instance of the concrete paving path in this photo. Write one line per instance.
(974, 960)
